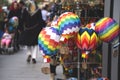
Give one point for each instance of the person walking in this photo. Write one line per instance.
(45, 13)
(22, 9)
(33, 25)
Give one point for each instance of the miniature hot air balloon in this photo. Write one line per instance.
(14, 21)
(48, 41)
(87, 39)
(107, 29)
(68, 24)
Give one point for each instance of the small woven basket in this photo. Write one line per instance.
(45, 70)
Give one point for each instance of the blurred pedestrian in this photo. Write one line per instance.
(45, 13)
(54, 9)
(22, 9)
(33, 25)
(14, 12)
(4, 21)
(54, 59)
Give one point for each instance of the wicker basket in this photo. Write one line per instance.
(45, 70)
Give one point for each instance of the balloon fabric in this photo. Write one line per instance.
(87, 39)
(48, 41)
(107, 29)
(68, 24)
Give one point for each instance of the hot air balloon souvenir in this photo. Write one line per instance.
(87, 40)
(69, 24)
(48, 41)
(107, 29)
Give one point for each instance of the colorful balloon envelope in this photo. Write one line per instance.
(48, 41)
(107, 29)
(87, 39)
(54, 22)
(69, 24)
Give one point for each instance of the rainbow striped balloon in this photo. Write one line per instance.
(87, 39)
(107, 29)
(48, 41)
(68, 23)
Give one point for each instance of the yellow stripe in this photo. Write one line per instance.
(110, 32)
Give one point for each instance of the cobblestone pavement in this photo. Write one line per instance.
(15, 67)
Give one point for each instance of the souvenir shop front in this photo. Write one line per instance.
(100, 62)
(89, 59)
(89, 11)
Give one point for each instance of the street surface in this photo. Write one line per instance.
(15, 67)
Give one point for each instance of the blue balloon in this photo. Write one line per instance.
(13, 21)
